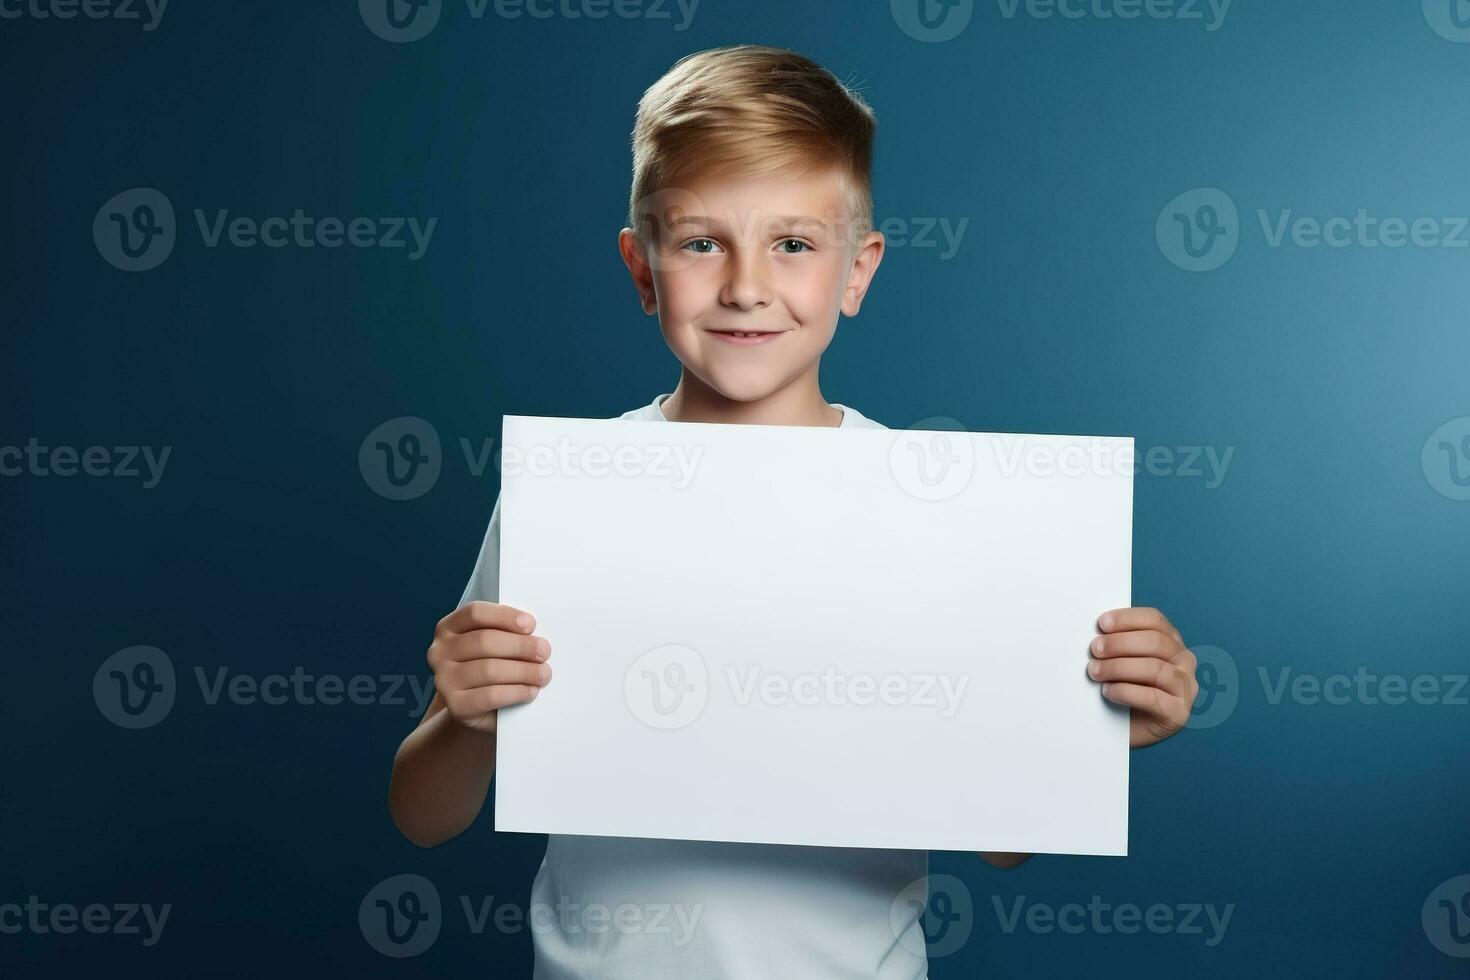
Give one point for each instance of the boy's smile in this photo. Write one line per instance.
(748, 276)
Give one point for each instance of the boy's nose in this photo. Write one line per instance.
(746, 288)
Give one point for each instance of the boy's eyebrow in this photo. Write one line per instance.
(783, 220)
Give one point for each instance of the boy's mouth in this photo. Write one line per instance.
(747, 336)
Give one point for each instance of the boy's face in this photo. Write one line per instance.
(748, 275)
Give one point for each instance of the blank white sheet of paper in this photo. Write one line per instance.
(819, 636)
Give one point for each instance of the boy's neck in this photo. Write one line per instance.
(798, 403)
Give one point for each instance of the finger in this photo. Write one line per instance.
(485, 673)
(1139, 643)
(1149, 700)
(483, 700)
(479, 644)
(479, 615)
(1142, 670)
(1136, 618)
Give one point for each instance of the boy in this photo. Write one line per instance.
(753, 204)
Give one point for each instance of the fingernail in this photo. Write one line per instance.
(1097, 645)
(545, 673)
(1106, 622)
(544, 647)
(523, 621)
(1092, 667)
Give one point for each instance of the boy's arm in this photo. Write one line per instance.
(441, 776)
(484, 657)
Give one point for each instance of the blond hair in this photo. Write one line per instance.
(755, 111)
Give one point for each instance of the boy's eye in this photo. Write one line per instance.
(702, 245)
(801, 246)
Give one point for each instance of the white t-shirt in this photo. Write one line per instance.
(624, 908)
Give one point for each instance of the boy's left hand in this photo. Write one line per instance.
(1141, 661)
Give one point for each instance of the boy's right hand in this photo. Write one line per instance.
(484, 658)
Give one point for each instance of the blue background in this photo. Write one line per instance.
(263, 548)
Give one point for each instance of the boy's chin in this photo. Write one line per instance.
(745, 386)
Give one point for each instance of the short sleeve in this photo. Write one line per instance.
(484, 581)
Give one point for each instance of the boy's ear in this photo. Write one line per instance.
(636, 260)
(864, 265)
